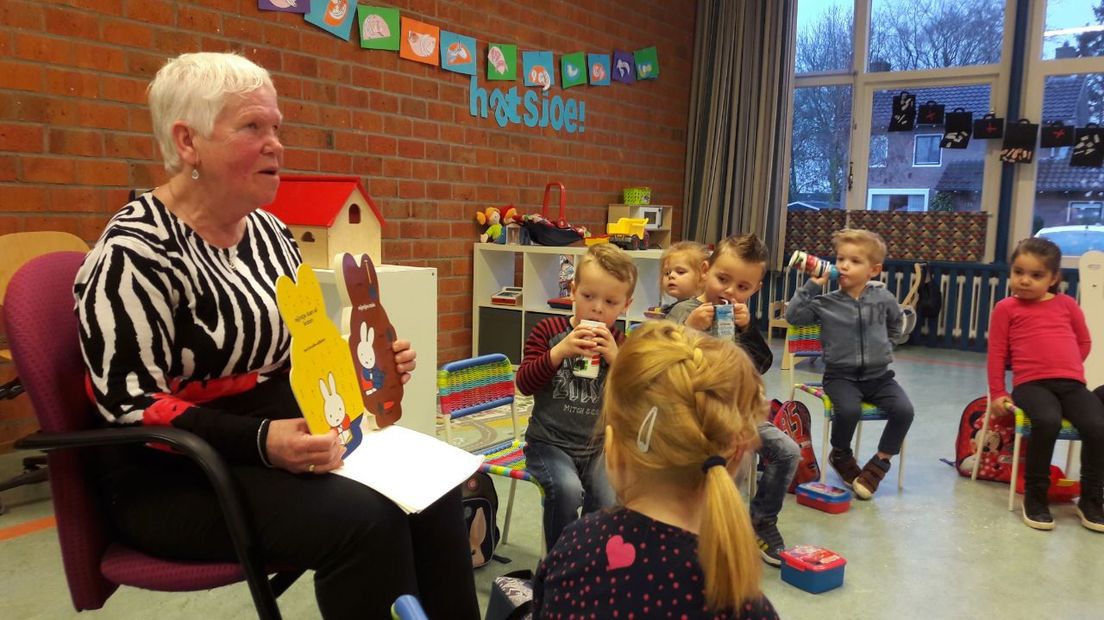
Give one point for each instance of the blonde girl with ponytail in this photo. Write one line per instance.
(680, 410)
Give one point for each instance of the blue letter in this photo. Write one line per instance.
(531, 113)
(477, 99)
(557, 114)
(569, 116)
(498, 102)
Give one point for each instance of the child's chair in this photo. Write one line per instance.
(802, 341)
(1023, 429)
(477, 384)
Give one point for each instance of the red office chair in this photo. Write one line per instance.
(42, 331)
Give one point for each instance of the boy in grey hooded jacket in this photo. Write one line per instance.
(857, 321)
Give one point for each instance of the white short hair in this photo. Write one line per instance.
(193, 88)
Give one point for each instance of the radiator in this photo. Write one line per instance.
(970, 290)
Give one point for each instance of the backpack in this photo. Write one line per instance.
(930, 301)
(996, 455)
(480, 503)
(792, 417)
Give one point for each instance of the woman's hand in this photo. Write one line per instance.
(404, 358)
(291, 446)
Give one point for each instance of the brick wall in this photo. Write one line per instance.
(75, 133)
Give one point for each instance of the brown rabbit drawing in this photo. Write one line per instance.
(371, 336)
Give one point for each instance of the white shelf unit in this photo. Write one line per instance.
(502, 329)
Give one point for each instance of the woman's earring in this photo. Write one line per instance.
(195, 174)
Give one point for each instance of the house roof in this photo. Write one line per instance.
(315, 200)
(1054, 175)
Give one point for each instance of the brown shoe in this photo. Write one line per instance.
(872, 473)
(843, 461)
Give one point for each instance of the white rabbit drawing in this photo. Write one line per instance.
(371, 377)
(334, 407)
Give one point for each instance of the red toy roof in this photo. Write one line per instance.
(315, 200)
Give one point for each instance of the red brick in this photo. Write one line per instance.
(10, 224)
(102, 115)
(21, 198)
(129, 146)
(43, 49)
(335, 163)
(140, 175)
(98, 57)
(411, 148)
(77, 199)
(384, 102)
(382, 145)
(194, 19)
(20, 76)
(301, 159)
(71, 83)
(49, 170)
(23, 15)
(73, 142)
(21, 138)
(100, 173)
(69, 23)
(9, 169)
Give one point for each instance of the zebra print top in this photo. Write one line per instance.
(169, 323)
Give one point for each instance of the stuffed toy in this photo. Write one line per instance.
(492, 219)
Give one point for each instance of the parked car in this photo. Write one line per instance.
(1074, 240)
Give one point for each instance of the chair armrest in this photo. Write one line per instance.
(214, 467)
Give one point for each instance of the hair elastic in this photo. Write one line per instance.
(644, 435)
(713, 461)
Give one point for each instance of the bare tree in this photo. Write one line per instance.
(932, 34)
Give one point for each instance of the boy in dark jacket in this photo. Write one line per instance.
(857, 324)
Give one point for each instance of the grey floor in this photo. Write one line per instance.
(945, 547)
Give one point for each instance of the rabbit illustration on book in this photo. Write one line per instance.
(322, 374)
(371, 336)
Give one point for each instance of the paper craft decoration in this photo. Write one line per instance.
(501, 61)
(1088, 152)
(598, 69)
(957, 129)
(989, 127)
(1019, 142)
(371, 336)
(457, 53)
(333, 16)
(573, 68)
(286, 6)
(1055, 134)
(647, 63)
(322, 375)
(624, 67)
(379, 27)
(419, 42)
(538, 69)
(931, 113)
(903, 117)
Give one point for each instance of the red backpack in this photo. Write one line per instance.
(996, 454)
(792, 417)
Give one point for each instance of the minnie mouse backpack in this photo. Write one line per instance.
(996, 451)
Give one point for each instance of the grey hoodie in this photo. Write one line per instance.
(855, 333)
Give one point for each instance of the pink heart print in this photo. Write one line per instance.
(619, 553)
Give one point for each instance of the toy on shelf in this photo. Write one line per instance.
(629, 233)
(545, 231)
(494, 219)
(508, 296)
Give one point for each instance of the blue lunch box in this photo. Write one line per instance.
(813, 569)
(823, 497)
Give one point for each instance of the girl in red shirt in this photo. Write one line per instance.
(1041, 334)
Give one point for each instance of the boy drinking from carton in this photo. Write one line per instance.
(733, 273)
(857, 324)
(561, 450)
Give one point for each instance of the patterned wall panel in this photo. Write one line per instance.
(811, 231)
(933, 236)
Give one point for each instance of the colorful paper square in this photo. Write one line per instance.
(647, 63)
(573, 68)
(379, 27)
(624, 67)
(286, 6)
(419, 42)
(334, 16)
(457, 53)
(598, 69)
(538, 68)
(501, 61)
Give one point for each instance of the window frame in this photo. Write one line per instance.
(916, 143)
(903, 191)
(1080, 206)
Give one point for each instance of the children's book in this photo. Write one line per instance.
(353, 387)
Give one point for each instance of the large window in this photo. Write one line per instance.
(854, 56)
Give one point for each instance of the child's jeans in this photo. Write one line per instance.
(1046, 402)
(847, 397)
(568, 482)
(783, 456)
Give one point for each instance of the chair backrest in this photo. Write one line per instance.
(476, 384)
(803, 340)
(44, 337)
(18, 248)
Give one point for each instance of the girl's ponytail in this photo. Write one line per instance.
(726, 544)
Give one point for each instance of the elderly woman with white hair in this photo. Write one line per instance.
(179, 327)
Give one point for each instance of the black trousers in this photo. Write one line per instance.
(365, 550)
(847, 397)
(1046, 402)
